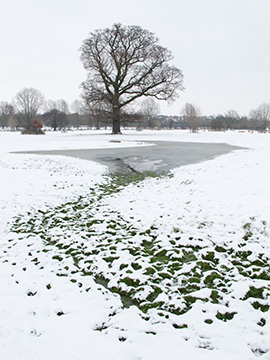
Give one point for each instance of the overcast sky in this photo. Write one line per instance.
(222, 47)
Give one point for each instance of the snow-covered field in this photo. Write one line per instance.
(175, 267)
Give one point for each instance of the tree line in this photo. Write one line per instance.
(258, 119)
(127, 72)
(30, 112)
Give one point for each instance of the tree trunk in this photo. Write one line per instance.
(116, 121)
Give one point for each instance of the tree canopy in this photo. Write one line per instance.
(56, 119)
(191, 115)
(28, 101)
(123, 64)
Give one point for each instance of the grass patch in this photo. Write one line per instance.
(132, 262)
(226, 316)
(255, 293)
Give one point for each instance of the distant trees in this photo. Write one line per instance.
(98, 114)
(218, 123)
(77, 109)
(13, 123)
(150, 110)
(55, 119)
(28, 110)
(260, 116)
(60, 105)
(123, 64)
(258, 120)
(232, 118)
(56, 114)
(27, 102)
(7, 111)
(191, 114)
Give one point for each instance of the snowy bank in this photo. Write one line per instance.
(63, 301)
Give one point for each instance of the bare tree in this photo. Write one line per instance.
(123, 64)
(261, 113)
(77, 109)
(13, 123)
(49, 105)
(233, 114)
(77, 106)
(261, 116)
(55, 119)
(60, 105)
(27, 102)
(6, 112)
(218, 123)
(232, 118)
(150, 109)
(99, 113)
(191, 115)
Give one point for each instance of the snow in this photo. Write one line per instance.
(49, 310)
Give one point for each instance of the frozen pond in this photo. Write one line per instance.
(158, 156)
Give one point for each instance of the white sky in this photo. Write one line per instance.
(222, 47)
